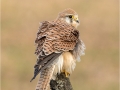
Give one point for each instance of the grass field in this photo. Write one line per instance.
(98, 69)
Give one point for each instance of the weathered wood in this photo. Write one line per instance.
(61, 83)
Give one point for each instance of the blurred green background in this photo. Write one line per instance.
(98, 69)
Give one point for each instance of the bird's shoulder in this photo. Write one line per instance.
(56, 25)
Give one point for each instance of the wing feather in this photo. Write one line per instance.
(44, 62)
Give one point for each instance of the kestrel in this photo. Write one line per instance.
(58, 47)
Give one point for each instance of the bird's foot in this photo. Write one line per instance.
(66, 73)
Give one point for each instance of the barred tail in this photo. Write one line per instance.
(45, 77)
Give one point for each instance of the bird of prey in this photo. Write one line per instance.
(58, 47)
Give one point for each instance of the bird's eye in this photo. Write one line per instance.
(70, 16)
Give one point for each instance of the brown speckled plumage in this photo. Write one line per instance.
(54, 42)
(56, 37)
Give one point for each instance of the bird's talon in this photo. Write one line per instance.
(67, 74)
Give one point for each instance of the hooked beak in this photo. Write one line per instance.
(77, 21)
(75, 18)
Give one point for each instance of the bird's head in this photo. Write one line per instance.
(70, 17)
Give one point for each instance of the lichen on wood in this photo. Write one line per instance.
(61, 83)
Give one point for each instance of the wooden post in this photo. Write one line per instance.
(61, 83)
